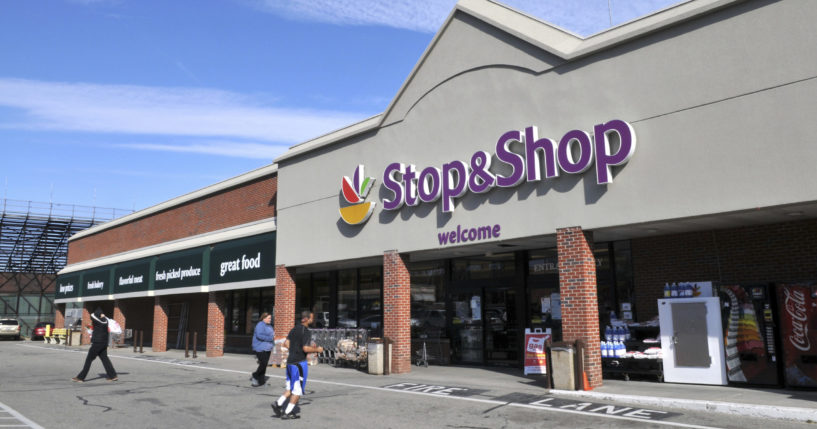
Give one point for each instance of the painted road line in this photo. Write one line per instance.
(7, 421)
(575, 407)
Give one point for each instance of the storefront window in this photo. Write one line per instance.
(268, 301)
(544, 299)
(428, 317)
(605, 289)
(321, 304)
(371, 308)
(303, 294)
(624, 279)
(484, 267)
(347, 298)
(237, 312)
(253, 310)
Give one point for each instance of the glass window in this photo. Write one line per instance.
(605, 288)
(237, 313)
(253, 310)
(543, 263)
(303, 294)
(347, 298)
(544, 299)
(428, 316)
(624, 276)
(484, 267)
(321, 305)
(268, 301)
(370, 304)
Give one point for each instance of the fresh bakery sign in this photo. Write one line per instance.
(537, 159)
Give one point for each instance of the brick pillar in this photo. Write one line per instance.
(397, 310)
(86, 321)
(216, 317)
(284, 300)
(119, 317)
(160, 315)
(580, 307)
(59, 316)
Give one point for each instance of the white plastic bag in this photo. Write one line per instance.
(114, 327)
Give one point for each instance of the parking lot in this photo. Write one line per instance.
(167, 390)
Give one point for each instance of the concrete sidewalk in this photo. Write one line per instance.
(781, 404)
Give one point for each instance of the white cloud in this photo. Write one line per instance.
(584, 17)
(129, 109)
(222, 148)
(417, 15)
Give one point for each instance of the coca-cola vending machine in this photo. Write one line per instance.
(798, 320)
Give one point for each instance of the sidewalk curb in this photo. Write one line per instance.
(796, 414)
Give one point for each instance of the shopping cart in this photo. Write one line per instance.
(431, 349)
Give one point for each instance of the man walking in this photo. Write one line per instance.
(297, 342)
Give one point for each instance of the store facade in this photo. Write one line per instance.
(523, 177)
(199, 267)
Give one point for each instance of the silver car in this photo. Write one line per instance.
(9, 328)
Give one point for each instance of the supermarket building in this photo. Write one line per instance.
(522, 177)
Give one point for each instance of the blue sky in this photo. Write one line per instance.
(128, 103)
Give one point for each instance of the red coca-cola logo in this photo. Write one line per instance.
(795, 303)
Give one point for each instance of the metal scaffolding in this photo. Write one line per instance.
(33, 248)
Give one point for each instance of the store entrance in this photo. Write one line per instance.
(485, 325)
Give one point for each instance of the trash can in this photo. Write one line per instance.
(375, 352)
(563, 356)
(76, 337)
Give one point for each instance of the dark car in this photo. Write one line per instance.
(9, 328)
(39, 330)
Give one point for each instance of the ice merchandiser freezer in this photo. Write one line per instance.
(798, 331)
(750, 329)
(692, 340)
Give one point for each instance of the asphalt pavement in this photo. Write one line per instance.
(476, 396)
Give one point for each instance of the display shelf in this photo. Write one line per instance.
(627, 366)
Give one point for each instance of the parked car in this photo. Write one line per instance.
(39, 330)
(9, 328)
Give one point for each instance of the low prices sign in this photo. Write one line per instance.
(535, 357)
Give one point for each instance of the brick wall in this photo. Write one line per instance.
(577, 286)
(119, 316)
(397, 309)
(781, 252)
(216, 317)
(284, 319)
(246, 203)
(160, 313)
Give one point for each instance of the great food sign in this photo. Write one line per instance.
(537, 159)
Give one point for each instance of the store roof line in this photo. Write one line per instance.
(175, 202)
(226, 234)
(541, 34)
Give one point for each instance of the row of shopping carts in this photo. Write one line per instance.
(342, 346)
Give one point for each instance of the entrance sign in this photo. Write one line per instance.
(574, 154)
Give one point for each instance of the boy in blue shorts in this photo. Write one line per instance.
(297, 342)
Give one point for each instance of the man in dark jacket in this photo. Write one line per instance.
(99, 347)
